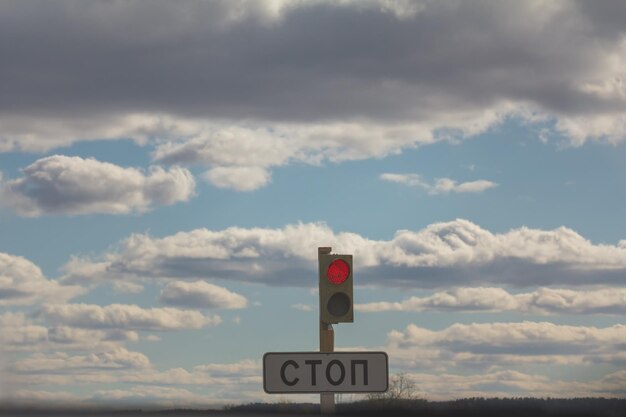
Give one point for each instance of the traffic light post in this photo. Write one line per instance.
(327, 345)
(335, 294)
(327, 372)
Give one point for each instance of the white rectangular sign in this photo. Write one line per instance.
(310, 372)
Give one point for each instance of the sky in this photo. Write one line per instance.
(169, 169)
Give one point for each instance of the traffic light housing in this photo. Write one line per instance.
(335, 287)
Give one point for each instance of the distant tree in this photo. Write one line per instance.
(401, 387)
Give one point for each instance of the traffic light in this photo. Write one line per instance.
(335, 287)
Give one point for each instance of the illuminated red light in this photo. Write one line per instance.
(338, 271)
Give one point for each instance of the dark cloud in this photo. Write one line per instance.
(312, 61)
(13, 293)
(511, 271)
(607, 17)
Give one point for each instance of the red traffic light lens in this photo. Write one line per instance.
(338, 271)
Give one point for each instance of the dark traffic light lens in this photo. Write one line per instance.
(338, 304)
(338, 271)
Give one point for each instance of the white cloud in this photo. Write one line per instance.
(457, 299)
(24, 133)
(19, 333)
(440, 386)
(72, 185)
(166, 397)
(127, 287)
(441, 185)
(201, 294)
(26, 398)
(304, 307)
(558, 301)
(413, 180)
(246, 367)
(172, 377)
(238, 178)
(540, 301)
(122, 366)
(445, 185)
(240, 156)
(22, 283)
(514, 335)
(493, 345)
(456, 253)
(125, 317)
(224, 146)
(507, 384)
(17, 330)
(60, 334)
(117, 359)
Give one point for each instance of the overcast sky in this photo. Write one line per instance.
(168, 170)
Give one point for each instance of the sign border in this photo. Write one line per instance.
(327, 353)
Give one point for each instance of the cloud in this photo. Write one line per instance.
(511, 384)
(238, 178)
(23, 283)
(489, 345)
(513, 336)
(127, 287)
(119, 365)
(117, 359)
(155, 396)
(458, 299)
(172, 397)
(558, 301)
(18, 330)
(439, 386)
(246, 367)
(175, 377)
(441, 185)
(541, 301)
(442, 386)
(456, 253)
(27, 398)
(446, 185)
(72, 185)
(20, 333)
(125, 317)
(240, 156)
(304, 307)
(223, 145)
(261, 74)
(201, 294)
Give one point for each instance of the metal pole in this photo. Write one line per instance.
(327, 344)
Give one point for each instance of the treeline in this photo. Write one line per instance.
(469, 407)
